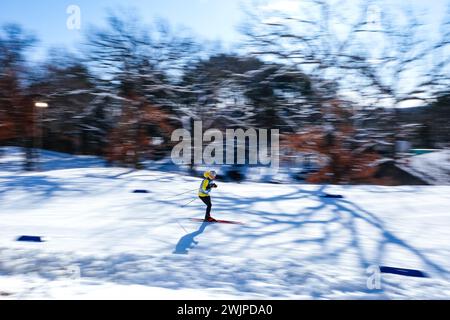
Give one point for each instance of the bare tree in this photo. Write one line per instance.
(138, 68)
(369, 57)
(17, 118)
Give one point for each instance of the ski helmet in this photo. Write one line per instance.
(210, 174)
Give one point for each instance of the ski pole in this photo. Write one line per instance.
(188, 203)
(177, 195)
(182, 226)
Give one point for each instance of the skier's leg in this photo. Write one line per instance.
(207, 201)
(208, 208)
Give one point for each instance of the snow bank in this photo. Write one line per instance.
(433, 168)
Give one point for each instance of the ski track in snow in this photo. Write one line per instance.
(295, 244)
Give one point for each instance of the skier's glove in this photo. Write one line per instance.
(214, 185)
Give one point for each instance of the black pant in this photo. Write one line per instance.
(207, 201)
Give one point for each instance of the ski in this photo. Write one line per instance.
(218, 221)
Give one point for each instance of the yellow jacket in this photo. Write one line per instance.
(205, 187)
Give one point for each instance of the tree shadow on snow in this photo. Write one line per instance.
(44, 186)
(342, 217)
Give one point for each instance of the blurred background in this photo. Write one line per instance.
(359, 90)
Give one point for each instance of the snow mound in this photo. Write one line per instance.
(433, 168)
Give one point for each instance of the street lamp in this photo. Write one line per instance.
(41, 106)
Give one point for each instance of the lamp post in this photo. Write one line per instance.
(40, 106)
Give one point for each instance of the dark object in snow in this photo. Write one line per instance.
(235, 173)
(140, 191)
(30, 239)
(332, 196)
(404, 272)
(5, 294)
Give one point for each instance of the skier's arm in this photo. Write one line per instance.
(205, 186)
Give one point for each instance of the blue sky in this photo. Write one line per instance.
(210, 19)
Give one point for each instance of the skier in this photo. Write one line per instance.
(203, 193)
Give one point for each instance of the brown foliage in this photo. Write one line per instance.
(129, 141)
(345, 162)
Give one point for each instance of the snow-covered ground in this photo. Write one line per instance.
(103, 241)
